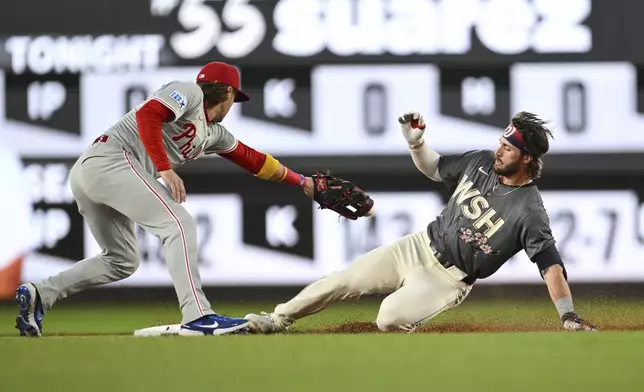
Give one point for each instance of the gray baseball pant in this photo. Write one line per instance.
(112, 191)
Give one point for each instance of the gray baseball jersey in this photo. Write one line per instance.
(186, 138)
(485, 223)
(115, 184)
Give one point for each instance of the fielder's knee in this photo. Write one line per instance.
(183, 226)
(123, 267)
(189, 226)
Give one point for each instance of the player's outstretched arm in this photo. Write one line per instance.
(426, 160)
(266, 167)
(562, 298)
(330, 192)
(536, 238)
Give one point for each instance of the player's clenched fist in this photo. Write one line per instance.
(175, 183)
(413, 127)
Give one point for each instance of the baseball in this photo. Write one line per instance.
(371, 211)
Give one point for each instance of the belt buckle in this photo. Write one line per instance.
(447, 264)
(439, 256)
(433, 247)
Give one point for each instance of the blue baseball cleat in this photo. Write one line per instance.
(213, 324)
(29, 320)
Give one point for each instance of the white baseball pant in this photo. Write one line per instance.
(419, 287)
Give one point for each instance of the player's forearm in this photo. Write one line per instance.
(426, 160)
(558, 289)
(263, 165)
(288, 176)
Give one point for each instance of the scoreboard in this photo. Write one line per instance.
(328, 79)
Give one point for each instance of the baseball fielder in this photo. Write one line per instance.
(115, 184)
(494, 212)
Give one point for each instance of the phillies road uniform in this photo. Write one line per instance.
(483, 225)
(115, 184)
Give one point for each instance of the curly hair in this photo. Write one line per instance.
(535, 134)
(213, 93)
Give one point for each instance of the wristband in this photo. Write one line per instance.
(269, 167)
(293, 178)
(284, 175)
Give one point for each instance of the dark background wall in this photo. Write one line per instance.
(326, 91)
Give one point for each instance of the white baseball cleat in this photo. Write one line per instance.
(266, 323)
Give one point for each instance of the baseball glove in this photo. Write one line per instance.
(573, 322)
(341, 196)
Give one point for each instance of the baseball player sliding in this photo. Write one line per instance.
(494, 212)
(115, 184)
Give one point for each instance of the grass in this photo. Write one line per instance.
(525, 361)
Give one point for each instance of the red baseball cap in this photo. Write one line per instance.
(225, 74)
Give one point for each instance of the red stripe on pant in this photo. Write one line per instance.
(183, 236)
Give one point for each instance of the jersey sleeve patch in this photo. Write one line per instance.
(179, 98)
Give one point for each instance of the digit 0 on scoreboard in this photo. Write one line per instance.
(586, 103)
(354, 106)
(575, 106)
(374, 108)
